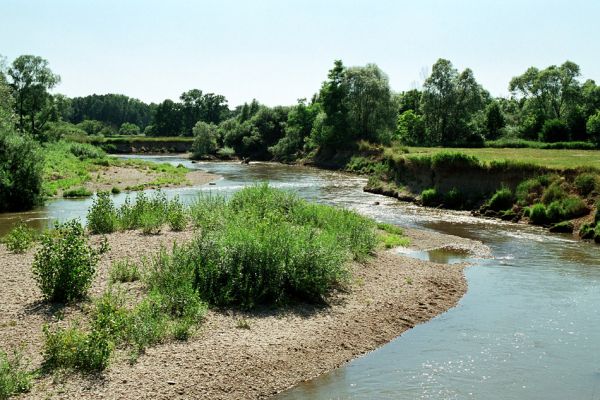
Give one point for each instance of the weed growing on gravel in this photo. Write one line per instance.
(124, 271)
(20, 238)
(65, 264)
(14, 377)
(73, 348)
(242, 324)
(176, 215)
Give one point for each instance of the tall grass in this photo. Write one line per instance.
(14, 377)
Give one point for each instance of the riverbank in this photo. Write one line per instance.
(237, 354)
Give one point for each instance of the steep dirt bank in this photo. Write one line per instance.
(281, 348)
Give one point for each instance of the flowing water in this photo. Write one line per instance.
(528, 327)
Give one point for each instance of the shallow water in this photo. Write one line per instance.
(528, 327)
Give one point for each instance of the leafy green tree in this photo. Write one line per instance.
(91, 126)
(21, 164)
(449, 102)
(205, 139)
(7, 115)
(409, 100)
(554, 130)
(167, 119)
(411, 129)
(31, 78)
(297, 129)
(128, 128)
(593, 128)
(370, 113)
(191, 110)
(111, 110)
(494, 120)
(332, 96)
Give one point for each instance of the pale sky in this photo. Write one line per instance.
(278, 51)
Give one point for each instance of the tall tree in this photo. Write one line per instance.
(31, 79)
(449, 102)
(332, 97)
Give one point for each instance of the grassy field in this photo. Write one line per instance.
(560, 159)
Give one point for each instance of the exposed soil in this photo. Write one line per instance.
(281, 348)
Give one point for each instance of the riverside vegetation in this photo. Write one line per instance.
(263, 247)
(563, 199)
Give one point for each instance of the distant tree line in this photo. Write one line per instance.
(354, 103)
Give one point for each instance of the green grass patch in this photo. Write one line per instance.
(125, 271)
(77, 192)
(501, 200)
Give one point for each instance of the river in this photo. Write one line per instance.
(528, 327)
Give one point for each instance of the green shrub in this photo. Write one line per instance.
(585, 183)
(574, 207)
(21, 164)
(77, 192)
(554, 192)
(454, 199)
(115, 190)
(147, 213)
(72, 348)
(586, 231)
(86, 151)
(226, 152)
(124, 271)
(528, 190)
(430, 197)
(65, 264)
(146, 325)
(454, 161)
(554, 212)
(14, 377)
(501, 200)
(176, 216)
(102, 216)
(269, 246)
(20, 238)
(554, 130)
(537, 214)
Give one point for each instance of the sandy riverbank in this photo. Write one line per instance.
(390, 294)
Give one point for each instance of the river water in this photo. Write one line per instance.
(528, 327)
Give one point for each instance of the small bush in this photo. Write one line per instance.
(102, 216)
(115, 190)
(454, 161)
(554, 130)
(147, 213)
(574, 207)
(430, 197)
(585, 183)
(537, 214)
(176, 216)
(528, 190)
(124, 271)
(554, 192)
(14, 377)
(454, 199)
(72, 348)
(554, 212)
(65, 264)
(586, 231)
(226, 152)
(86, 151)
(501, 200)
(77, 192)
(20, 238)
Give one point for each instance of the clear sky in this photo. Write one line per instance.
(280, 50)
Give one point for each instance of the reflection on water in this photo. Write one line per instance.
(528, 327)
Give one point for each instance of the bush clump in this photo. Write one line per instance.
(537, 214)
(430, 197)
(65, 264)
(73, 348)
(554, 192)
(20, 238)
(14, 377)
(585, 183)
(102, 216)
(501, 200)
(77, 192)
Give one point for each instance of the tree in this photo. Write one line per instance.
(167, 119)
(551, 93)
(332, 96)
(191, 110)
(449, 102)
(7, 115)
(411, 129)
(368, 102)
(129, 129)
(31, 78)
(111, 109)
(494, 120)
(554, 130)
(297, 128)
(409, 100)
(593, 128)
(205, 139)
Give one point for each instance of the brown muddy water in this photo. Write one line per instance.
(528, 327)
